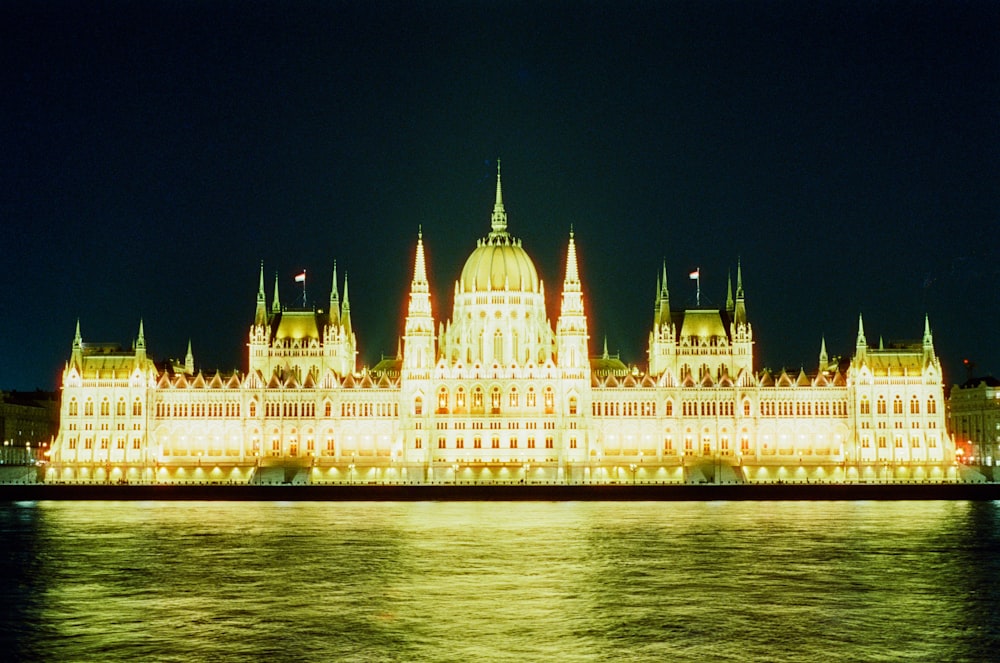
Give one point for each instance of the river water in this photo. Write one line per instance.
(480, 581)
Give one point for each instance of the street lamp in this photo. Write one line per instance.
(633, 467)
(454, 469)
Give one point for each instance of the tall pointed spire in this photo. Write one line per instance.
(334, 298)
(189, 360)
(730, 306)
(419, 266)
(499, 219)
(572, 270)
(77, 339)
(276, 304)
(664, 305)
(824, 358)
(862, 341)
(928, 338)
(740, 307)
(140, 343)
(345, 309)
(260, 315)
(605, 355)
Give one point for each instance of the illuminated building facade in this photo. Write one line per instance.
(500, 393)
(974, 411)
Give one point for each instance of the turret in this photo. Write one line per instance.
(276, 304)
(334, 299)
(571, 328)
(260, 315)
(419, 332)
(345, 310)
(140, 346)
(740, 308)
(861, 344)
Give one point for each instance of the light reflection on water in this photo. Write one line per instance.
(571, 581)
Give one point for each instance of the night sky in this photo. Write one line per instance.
(153, 153)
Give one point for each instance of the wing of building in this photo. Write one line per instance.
(498, 392)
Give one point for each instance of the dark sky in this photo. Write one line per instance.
(153, 153)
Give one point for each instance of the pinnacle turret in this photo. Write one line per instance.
(276, 304)
(499, 219)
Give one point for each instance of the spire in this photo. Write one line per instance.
(730, 306)
(605, 355)
(140, 343)
(276, 304)
(740, 307)
(334, 298)
(419, 266)
(345, 309)
(189, 360)
(928, 338)
(572, 272)
(664, 308)
(824, 358)
(861, 333)
(77, 339)
(499, 220)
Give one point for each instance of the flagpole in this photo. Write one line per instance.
(697, 293)
(303, 288)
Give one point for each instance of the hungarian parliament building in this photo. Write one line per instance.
(500, 394)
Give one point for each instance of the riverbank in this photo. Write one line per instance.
(514, 492)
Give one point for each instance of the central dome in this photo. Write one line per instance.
(499, 263)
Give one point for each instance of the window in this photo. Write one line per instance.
(88, 408)
(897, 405)
(460, 398)
(513, 443)
(73, 408)
(477, 443)
(441, 443)
(418, 406)
(136, 443)
(137, 408)
(531, 397)
(572, 405)
(881, 405)
(931, 405)
(120, 407)
(418, 443)
(669, 408)
(495, 399)
(495, 443)
(531, 443)
(442, 400)
(572, 443)
(746, 408)
(328, 409)
(514, 399)
(105, 408)
(460, 443)
(548, 442)
(550, 400)
(914, 405)
(253, 408)
(866, 407)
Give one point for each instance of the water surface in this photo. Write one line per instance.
(454, 581)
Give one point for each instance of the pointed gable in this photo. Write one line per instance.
(803, 379)
(784, 380)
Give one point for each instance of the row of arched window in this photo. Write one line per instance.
(475, 400)
(881, 406)
(105, 408)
